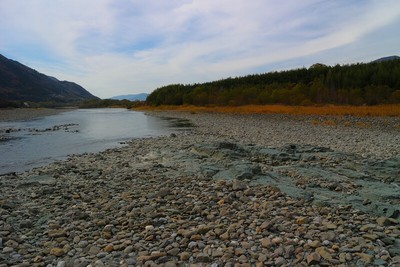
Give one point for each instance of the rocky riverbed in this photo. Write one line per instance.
(22, 114)
(235, 191)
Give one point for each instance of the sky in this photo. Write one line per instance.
(116, 47)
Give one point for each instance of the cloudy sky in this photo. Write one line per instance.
(114, 47)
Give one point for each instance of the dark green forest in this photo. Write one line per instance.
(356, 84)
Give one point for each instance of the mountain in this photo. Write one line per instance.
(139, 97)
(382, 59)
(21, 83)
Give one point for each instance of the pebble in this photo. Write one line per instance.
(94, 250)
(184, 256)
(277, 240)
(108, 248)
(324, 253)
(383, 221)
(266, 242)
(364, 257)
(8, 249)
(326, 242)
(315, 244)
(57, 252)
(11, 243)
(202, 257)
(313, 258)
(149, 204)
(149, 228)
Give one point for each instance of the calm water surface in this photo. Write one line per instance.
(75, 132)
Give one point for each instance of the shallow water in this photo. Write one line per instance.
(37, 142)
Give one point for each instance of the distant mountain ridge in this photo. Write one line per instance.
(131, 97)
(21, 83)
(382, 59)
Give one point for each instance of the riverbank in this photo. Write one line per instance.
(376, 137)
(238, 190)
(16, 114)
(388, 110)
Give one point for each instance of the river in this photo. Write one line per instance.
(33, 143)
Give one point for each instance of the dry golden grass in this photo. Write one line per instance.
(324, 122)
(359, 111)
(361, 124)
(329, 123)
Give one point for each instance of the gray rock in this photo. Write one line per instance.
(202, 257)
(37, 180)
(8, 249)
(82, 244)
(238, 185)
(164, 192)
(99, 263)
(239, 171)
(26, 224)
(94, 250)
(11, 243)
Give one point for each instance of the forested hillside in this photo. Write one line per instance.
(372, 83)
(19, 84)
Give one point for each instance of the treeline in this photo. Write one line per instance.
(356, 84)
(110, 103)
(10, 104)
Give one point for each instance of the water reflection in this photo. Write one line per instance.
(91, 130)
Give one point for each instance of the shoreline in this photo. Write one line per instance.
(386, 110)
(29, 113)
(249, 190)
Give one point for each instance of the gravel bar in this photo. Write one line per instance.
(236, 190)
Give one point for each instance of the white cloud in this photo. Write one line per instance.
(116, 47)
